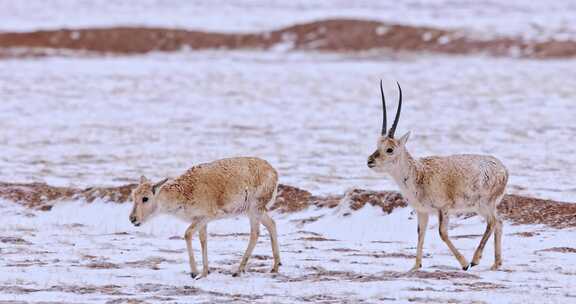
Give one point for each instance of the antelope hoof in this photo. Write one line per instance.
(495, 267)
(416, 267)
(472, 264)
(202, 275)
(465, 268)
(274, 269)
(237, 273)
(193, 274)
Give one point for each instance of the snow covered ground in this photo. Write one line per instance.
(90, 121)
(91, 254)
(539, 20)
(106, 121)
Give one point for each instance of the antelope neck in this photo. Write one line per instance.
(405, 171)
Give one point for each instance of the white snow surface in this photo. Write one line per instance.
(70, 255)
(104, 121)
(537, 20)
(316, 117)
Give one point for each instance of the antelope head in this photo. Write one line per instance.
(388, 149)
(144, 198)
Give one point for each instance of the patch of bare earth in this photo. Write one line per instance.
(526, 234)
(380, 255)
(320, 274)
(335, 35)
(316, 239)
(529, 210)
(42, 196)
(102, 265)
(75, 289)
(559, 249)
(387, 201)
(514, 208)
(291, 199)
(14, 240)
(181, 291)
(149, 263)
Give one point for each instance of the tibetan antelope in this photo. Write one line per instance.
(443, 185)
(223, 188)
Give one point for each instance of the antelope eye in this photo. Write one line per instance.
(144, 199)
(389, 150)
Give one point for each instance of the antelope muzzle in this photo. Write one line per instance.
(372, 159)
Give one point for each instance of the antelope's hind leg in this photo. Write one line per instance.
(254, 234)
(497, 244)
(204, 244)
(270, 225)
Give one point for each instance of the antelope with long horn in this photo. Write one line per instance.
(206, 192)
(443, 185)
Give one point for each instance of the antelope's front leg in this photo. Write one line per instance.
(196, 224)
(490, 223)
(422, 225)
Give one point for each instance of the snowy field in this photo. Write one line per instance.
(103, 121)
(106, 121)
(70, 255)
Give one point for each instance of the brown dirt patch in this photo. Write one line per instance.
(43, 196)
(343, 250)
(466, 236)
(320, 274)
(89, 289)
(380, 255)
(150, 263)
(316, 239)
(13, 240)
(85, 289)
(387, 201)
(528, 210)
(307, 220)
(237, 234)
(514, 208)
(35, 195)
(334, 35)
(526, 234)
(559, 249)
(27, 263)
(102, 265)
(291, 199)
(125, 301)
(479, 286)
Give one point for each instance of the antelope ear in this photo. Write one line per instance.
(404, 138)
(143, 179)
(158, 184)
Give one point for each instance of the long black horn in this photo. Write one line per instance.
(395, 124)
(384, 123)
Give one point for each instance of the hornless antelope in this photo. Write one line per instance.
(443, 185)
(210, 191)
